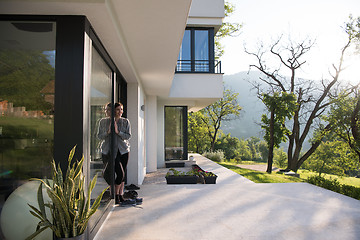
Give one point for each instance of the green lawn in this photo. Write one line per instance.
(260, 177)
(263, 177)
(352, 181)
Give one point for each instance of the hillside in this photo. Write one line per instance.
(248, 123)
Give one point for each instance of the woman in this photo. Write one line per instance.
(121, 144)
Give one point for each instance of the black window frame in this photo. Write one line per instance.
(69, 85)
(211, 50)
(185, 131)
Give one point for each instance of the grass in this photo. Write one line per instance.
(263, 177)
(260, 177)
(352, 181)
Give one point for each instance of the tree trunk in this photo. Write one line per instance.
(271, 142)
(354, 124)
(213, 140)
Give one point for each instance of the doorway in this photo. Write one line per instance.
(176, 133)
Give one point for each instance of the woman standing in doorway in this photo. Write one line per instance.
(121, 144)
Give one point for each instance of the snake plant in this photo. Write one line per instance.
(70, 207)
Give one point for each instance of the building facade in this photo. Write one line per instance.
(62, 61)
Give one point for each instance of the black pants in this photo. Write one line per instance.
(121, 162)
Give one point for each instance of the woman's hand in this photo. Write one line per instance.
(116, 127)
(109, 130)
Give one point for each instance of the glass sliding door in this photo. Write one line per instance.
(27, 79)
(201, 50)
(175, 133)
(100, 95)
(184, 59)
(197, 51)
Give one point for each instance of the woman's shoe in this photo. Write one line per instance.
(138, 201)
(128, 202)
(117, 199)
(132, 187)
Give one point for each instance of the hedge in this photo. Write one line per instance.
(334, 185)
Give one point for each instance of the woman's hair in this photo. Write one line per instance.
(108, 105)
(118, 104)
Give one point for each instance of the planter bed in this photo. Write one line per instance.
(197, 175)
(182, 179)
(207, 177)
(210, 180)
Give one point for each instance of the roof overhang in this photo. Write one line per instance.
(142, 37)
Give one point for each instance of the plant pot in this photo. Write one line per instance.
(210, 180)
(181, 179)
(80, 237)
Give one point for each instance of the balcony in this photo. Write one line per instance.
(198, 66)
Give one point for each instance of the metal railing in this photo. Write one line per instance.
(198, 66)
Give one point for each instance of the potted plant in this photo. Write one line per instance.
(70, 207)
(178, 177)
(209, 177)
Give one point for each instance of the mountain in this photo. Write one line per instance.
(248, 124)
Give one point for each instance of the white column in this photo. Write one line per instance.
(133, 108)
(160, 135)
(151, 133)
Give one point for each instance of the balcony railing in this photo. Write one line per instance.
(198, 66)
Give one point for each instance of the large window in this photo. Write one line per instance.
(27, 78)
(100, 95)
(175, 133)
(197, 51)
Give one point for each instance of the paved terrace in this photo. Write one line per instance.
(234, 208)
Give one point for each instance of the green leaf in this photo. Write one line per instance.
(41, 201)
(32, 236)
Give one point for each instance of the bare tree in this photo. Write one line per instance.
(312, 97)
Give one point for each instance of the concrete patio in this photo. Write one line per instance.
(234, 208)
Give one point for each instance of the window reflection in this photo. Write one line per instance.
(184, 60)
(194, 55)
(202, 50)
(27, 78)
(100, 95)
(174, 133)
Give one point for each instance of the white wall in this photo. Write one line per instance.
(206, 13)
(207, 8)
(197, 86)
(151, 133)
(160, 135)
(136, 166)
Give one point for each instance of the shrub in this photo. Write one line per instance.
(217, 156)
(334, 185)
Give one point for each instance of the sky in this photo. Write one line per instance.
(320, 20)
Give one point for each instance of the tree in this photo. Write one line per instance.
(244, 150)
(26, 72)
(332, 157)
(207, 121)
(226, 29)
(264, 150)
(226, 109)
(344, 117)
(229, 145)
(312, 98)
(280, 107)
(198, 138)
(253, 143)
(280, 158)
